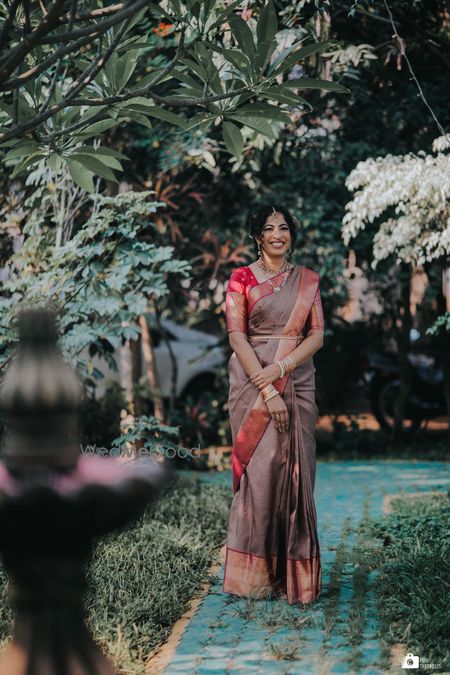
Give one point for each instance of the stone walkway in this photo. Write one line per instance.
(338, 633)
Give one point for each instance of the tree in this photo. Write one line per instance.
(70, 75)
(405, 199)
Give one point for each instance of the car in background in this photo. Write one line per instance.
(198, 356)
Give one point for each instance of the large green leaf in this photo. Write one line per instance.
(256, 123)
(243, 35)
(233, 139)
(126, 67)
(296, 56)
(284, 95)
(223, 16)
(81, 176)
(99, 155)
(267, 24)
(264, 110)
(264, 53)
(311, 83)
(94, 164)
(237, 59)
(138, 117)
(26, 147)
(96, 128)
(167, 116)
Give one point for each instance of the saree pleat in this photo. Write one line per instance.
(272, 542)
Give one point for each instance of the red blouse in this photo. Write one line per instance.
(241, 282)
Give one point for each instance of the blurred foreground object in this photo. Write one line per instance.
(53, 504)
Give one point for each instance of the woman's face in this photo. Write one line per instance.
(276, 236)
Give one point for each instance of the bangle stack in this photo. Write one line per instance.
(286, 365)
(269, 392)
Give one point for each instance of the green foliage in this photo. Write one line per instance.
(100, 281)
(213, 73)
(150, 431)
(413, 584)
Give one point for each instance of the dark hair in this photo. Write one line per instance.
(257, 216)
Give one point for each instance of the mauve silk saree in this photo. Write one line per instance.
(272, 543)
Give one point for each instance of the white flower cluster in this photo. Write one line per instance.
(408, 195)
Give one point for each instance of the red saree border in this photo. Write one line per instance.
(236, 550)
(256, 423)
(244, 576)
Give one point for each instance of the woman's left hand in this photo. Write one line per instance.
(268, 375)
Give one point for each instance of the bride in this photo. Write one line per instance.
(275, 325)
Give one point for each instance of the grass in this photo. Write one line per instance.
(413, 585)
(142, 578)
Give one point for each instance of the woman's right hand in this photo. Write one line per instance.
(279, 413)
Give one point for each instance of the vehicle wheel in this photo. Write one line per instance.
(383, 394)
(200, 409)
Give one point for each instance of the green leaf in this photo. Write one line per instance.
(99, 156)
(236, 58)
(201, 120)
(25, 148)
(54, 162)
(223, 16)
(81, 176)
(256, 123)
(197, 68)
(102, 150)
(167, 116)
(298, 55)
(136, 18)
(265, 110)
(233, 139)
(94, 164)
(283, 95)
(138, 117)
(267, 24)
(243, 35)
(96, 128)
(126, 67)
(264, 53)
(28, 161)
(311, 83)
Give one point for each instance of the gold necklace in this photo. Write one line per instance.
(284, 269)
(267, 270)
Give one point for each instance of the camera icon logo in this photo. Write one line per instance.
(410, 661)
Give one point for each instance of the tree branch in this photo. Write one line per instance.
(99, 27)
(101, 114)
(18, 53)
(8, 21)
(68, 49)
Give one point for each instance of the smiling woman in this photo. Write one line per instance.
(275, 325)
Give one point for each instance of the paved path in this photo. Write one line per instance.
(338, 634)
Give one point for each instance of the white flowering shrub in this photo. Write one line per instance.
(413, 187)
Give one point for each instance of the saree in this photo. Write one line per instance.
(272, 544)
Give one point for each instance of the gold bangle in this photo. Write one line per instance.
(272, 395)
(289, 363)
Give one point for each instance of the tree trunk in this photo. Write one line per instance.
(150, 367)
(402, 334)
(136, 370)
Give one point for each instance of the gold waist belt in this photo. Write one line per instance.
(276, 337)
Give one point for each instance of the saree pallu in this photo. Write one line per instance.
(272, 542)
